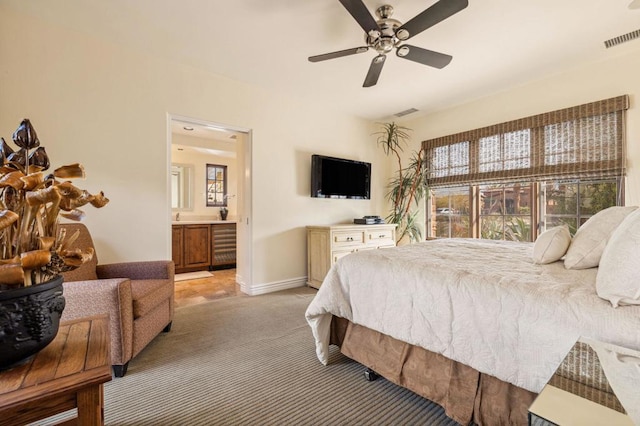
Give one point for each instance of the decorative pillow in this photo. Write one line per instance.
(591, 238)
(618, 279)
(551, 245)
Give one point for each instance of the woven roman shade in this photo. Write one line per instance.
(585, 141)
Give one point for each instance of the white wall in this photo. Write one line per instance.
(106, 107)
(617, 74)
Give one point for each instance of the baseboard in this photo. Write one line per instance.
(239, 280)
(272, 286)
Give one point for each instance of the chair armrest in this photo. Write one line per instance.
(149, 270)
(112, 297)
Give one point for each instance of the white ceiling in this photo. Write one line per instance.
(204, 139)
(495, 44)
(198, 130)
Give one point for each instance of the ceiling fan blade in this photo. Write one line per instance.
(424, 56)
(361, 14)
(374, 71)
(338, 54)
(429, 17)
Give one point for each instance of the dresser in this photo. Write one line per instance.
(327, 244)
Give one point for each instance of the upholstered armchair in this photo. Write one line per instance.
(137, 296)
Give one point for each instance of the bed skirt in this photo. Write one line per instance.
(465, 394)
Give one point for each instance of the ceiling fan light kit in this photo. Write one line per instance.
(402, 51)
(387, 33)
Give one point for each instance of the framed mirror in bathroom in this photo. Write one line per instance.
(182, 187)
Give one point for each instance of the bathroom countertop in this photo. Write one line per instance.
(200, 222)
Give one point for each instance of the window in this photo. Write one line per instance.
(524, 176)
(450, 214)
(574, 202)
(505, 212)
(216, 185)
(505, 151)
(450, 160)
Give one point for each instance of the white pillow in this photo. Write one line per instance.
(551, 245)
(591, 238)
(618, 279)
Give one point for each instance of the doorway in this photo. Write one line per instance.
(193, 144)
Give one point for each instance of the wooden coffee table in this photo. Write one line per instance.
(69, 373)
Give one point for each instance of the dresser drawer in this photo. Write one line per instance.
(337, 255)
(351, 238)
(380, 237)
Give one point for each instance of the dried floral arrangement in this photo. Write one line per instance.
(32, 251)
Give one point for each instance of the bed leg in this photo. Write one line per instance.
(370, 375)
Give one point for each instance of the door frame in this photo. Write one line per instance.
(244, 249)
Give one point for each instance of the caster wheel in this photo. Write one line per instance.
(370, 375)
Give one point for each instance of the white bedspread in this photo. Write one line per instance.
(480, 302)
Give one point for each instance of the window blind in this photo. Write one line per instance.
(585, 141)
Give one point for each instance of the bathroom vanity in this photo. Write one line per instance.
(203, 245)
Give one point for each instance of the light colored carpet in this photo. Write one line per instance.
(193, 275)
(251, 361)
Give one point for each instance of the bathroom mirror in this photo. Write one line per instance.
(182, 187)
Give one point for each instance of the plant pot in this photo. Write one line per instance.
(29, 320)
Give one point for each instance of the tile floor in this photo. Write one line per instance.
(221, 284)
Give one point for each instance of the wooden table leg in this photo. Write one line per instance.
(91, 406)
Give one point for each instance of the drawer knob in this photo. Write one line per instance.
(381, 236)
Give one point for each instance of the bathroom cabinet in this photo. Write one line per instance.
(201, 247)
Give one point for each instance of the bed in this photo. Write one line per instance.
(474, 325)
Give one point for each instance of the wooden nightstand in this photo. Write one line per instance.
(579, 392)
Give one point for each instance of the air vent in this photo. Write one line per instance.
(405, 112)
(622, 39)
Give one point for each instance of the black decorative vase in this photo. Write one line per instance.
(29, 320)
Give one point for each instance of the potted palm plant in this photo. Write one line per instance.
(32, 253)
(408, 186)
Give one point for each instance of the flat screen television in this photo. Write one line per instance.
(340, 178)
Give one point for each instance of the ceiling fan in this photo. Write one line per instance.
(387, 33)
